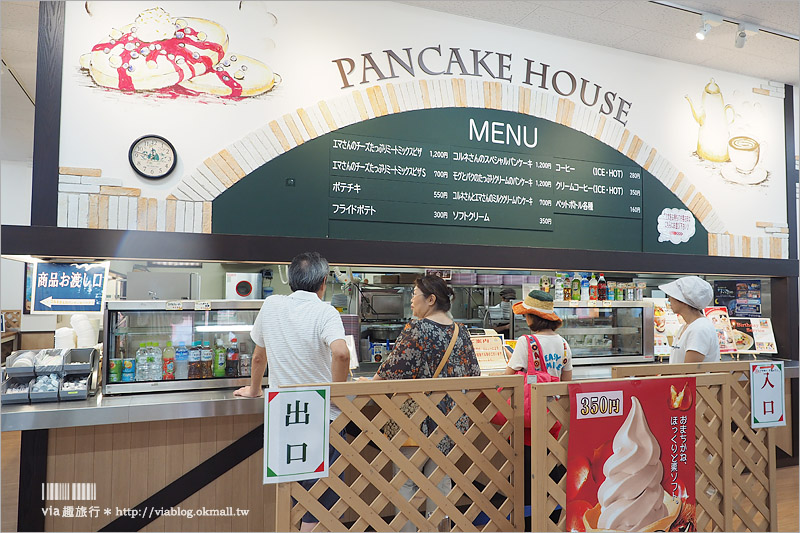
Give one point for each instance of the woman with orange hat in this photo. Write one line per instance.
(543, 321)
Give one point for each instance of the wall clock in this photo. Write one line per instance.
(152, 156)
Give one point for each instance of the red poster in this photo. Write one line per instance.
(630, 463)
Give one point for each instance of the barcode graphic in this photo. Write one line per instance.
(69, 491)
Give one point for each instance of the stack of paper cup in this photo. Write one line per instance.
(85, 331)
(65, 338)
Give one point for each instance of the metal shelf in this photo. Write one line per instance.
(599, 330)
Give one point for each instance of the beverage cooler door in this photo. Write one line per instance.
(153, 346)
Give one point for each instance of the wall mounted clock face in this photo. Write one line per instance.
(152, 156)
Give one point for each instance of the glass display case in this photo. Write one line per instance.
(157, 345)
(603, 332)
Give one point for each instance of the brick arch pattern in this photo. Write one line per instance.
(188, 208)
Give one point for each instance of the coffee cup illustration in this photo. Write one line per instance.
(744, 153)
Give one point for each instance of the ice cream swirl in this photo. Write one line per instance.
(631, 497)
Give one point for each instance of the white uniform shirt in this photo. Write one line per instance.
(297, 331)
(699, 336)
(556, 358)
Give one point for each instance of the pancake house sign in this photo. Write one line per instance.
(371, 67)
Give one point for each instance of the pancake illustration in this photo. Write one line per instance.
(236, 75)
(158, 52)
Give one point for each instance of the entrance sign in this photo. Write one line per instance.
(296, 432)
(630, 462)
(767, 405)
(69, 287)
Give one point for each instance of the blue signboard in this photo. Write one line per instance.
(69, 287)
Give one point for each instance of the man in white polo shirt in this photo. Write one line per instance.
(302, 337)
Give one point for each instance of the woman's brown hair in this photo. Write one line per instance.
(433, 284)
(537, 323)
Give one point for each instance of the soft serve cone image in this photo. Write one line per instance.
(631, 498)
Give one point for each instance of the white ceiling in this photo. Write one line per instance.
(635, 25)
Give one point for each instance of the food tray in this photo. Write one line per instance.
(42, 370)
(490, 279)
(514, 279)
(25, 371)
(37, 397)
(19, 397)
(68, 395)
(79, 360)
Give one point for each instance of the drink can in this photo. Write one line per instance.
(629, 291)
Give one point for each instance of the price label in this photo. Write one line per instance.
(202, 305)
(593, 303)
(607, 303)
(599, 404)
(574, 303)
(174, 305)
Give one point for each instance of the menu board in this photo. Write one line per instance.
(754, 335)
(490, 352)
(719, 317)
(381, 180)
(456, 176)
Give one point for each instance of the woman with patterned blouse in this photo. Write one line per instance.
(417, 353)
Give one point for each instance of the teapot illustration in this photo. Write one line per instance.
(712, 139)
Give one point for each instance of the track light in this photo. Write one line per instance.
(704, 29)
(743, 31)
(707, 21)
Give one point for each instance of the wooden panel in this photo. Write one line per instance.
(10, 447)
(121, 466)
(103, 466)
(208, 447)
(224, 485)
(174, 466)
(241, 425)
(64, 470)
(191, 458)
(156, 465)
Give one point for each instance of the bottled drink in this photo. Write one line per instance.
(157, 363)
(141, 362)
(207, 360)
(168, 362)
(232, 360)
(195, 362)
(219, 360)
(611, 290)
(558, 288)
(584, 288)
(593, 288)
(567, 288)
(576, 286)
(244, 360)
(182, 362)
(602, 288)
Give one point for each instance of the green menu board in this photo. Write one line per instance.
(465, 176)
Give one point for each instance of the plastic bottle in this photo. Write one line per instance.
(558, 288)
(576, 286)
(593, 288)
(567, 288)
(232, 360)
(157, 363)
(168, 362)
(207, 360)
(584, 287)
(602, 288)
(611, 290)
(141, 362)
(195, 363)
(219, 360)
(182, 362)
(245, 360)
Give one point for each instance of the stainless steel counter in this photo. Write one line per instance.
(174, 405)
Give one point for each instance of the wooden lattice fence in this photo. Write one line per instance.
(485, 462)
(753, 503)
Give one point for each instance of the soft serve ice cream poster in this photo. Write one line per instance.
(630, 463)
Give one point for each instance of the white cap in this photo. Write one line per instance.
(690, 290)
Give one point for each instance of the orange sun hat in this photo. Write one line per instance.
(537, 303)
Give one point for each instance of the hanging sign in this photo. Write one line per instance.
(69, 287)
(632, 467)
(767, 402)
(296, 433)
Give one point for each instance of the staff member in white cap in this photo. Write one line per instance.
(696, 342)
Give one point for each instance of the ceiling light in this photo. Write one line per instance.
(743, 31)
(707, 21)
(704, 29)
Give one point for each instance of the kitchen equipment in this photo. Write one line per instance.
(386, 332)
(243, 286)
(381, 305)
